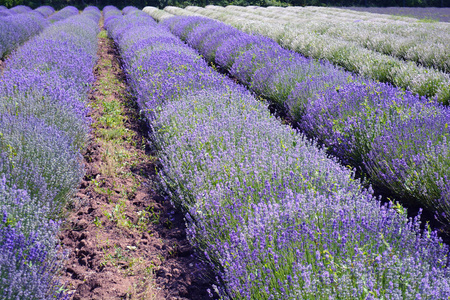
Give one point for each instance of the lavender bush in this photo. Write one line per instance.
(48, 79)
(16, 29)
(43, 119)
(28, 141)
(43, 126)
(64, 13)
(130, 9)
(20, 9)
(256, 61)
(46, 10)
(28, 210)
(6, 12)
(93, 12)
(354, 58)
(26, 270)
(52, 86)
(270, 211)
(400, 139)
(349, 114)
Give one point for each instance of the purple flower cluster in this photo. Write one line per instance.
(18, 28)
(46, 11)
(398, 138)
(110, 12)
(19, 9)
(272, 213)
(64, 13)
(27, 270)
(43, 127)
(130, 9)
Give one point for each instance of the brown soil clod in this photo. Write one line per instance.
(126, 239)
(2, 66)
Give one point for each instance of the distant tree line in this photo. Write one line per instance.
(58, 4)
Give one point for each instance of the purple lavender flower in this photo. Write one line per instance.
(45, 10)
(26, 269)
(20, 9)
(64, 13)
(272, 213)
(345, 112)
(43, 126)
(16, 29)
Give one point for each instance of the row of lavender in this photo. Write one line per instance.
(18, 28)
(368, 63)
(43, 127)
(405, 38)
(19, 9)
(274, 216)
(400, 140)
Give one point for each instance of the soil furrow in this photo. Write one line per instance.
(126, 239)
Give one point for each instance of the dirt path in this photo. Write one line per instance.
(126, 240)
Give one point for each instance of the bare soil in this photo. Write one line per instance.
(2, 66)
(126, 239)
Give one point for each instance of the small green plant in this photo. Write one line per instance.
(98, 222)
(428, 20)
(103, 34)
(114, 258)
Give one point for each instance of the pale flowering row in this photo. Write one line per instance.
(345, 14)
(425, 14)
(156, 13)
(275, 217)
(352, 14)
(43, 127)
(368, 63)
(427, 44)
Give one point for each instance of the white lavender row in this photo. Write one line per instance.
(423, 81)
(272, 213)
(340, 14)
(425, 43)
(156, 13)
(427, 14)
(356, 15)
(43, 126)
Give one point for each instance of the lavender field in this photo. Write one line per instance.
(276, 207)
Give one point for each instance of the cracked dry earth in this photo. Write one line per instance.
(125, 239)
